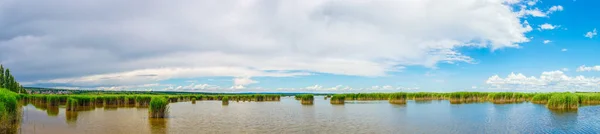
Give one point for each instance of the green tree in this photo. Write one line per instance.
(8, 81)
(1, 76)
(7, 78)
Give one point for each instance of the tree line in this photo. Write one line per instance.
(8, 81)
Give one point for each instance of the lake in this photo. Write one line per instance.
(289, 116)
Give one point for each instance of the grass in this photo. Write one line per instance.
(563, 101)
(158, 107)
(337, 99)
(541, 98)
(589, 98)
(307, 99)
(507, 97)
(397, 98)
(225, 100)
(9, 111)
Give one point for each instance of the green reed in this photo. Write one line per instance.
(563, 101)
(158, 107)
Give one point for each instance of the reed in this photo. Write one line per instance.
(225, 100)
(129, 100)
(563, 101)
(466, 97)
(53, 100)
(506, 97)
(424, 96)
(307, 99)
(397, 98)
(367, 96)
(337, 99)
(142, 100)
(72, 104)
(9, 111)
(158, 107)
(589, 98)
(541, 98)
(193, 100)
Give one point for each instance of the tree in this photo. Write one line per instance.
(1, 76)
(8, 81)
(7, 78)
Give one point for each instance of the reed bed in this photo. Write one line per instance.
(9, 111)
(589, 98)
(563, 101)
(466, 97)
(507, 97)
(225, 100)
(424, 96)
(158, 107)
(397, 98)
(307, 99)
(337, 99)
(367, 96)
(541, 98)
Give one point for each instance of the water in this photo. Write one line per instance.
(289, 116)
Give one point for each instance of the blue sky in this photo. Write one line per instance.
(304, 46)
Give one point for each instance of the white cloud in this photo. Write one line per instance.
(348, 89)
(536, 12)
(547, 26)
(243, 81)
(548, 81)
(564, 50)
(156, 75)
(584, 68)
(532, 12)
(564, 69)
(547, 41)
(554, 9)
(203, 38)
(591, 34)
(532, 2)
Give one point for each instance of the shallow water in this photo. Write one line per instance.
(289, 116)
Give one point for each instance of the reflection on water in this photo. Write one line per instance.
(158, 125)
(71, 117)
(289, 116)
(52, 111)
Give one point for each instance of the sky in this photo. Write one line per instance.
(303, 46)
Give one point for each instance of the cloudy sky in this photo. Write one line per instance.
(304, 45)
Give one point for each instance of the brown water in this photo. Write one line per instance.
(289, 116)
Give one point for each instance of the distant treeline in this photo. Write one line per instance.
(7, 80)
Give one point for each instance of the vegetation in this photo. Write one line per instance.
(306, 99)
(225, 100)
(337, 99)
(508, 97)
(589, 98)
(563, 101)
(9, 111)
(397, 98)
(7, 81)
(425, 96)
(541, 98)
(158, 107)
